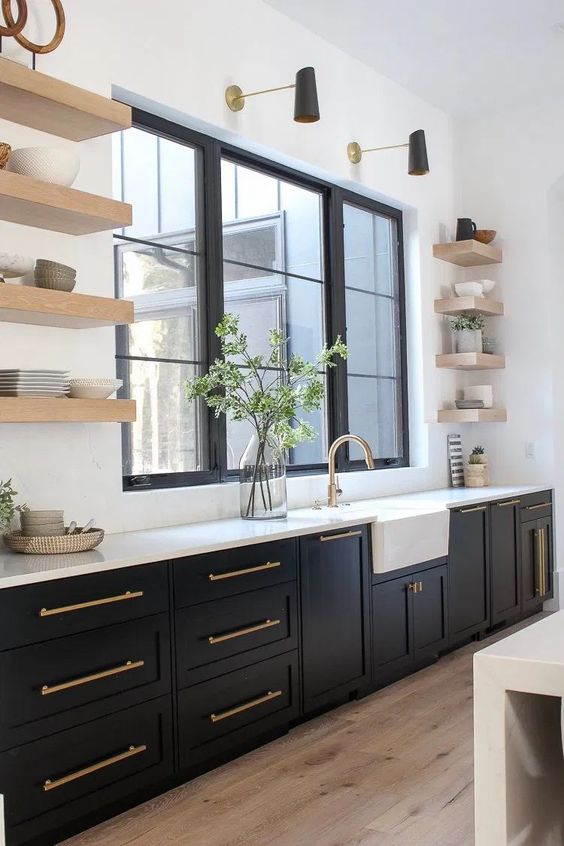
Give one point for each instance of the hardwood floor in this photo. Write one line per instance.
(394, 769)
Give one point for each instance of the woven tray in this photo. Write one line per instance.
(55, 545)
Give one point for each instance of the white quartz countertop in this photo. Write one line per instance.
(128, 549)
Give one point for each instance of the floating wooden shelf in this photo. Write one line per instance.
(63, 410)
(41, 307)
(34, 99)
(55, 207)
(472, 415)
(465, 305)
(467, 253)
(470, 361)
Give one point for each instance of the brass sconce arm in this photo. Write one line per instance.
(235, 98)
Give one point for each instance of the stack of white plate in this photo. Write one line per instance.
(34, 383)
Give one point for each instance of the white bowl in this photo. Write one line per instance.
(49, 164)
(487, 285)
(93, 388)
(469, 289)
(12, 265)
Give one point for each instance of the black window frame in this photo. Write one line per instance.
(211, 152)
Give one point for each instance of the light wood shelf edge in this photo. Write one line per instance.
(470, 361)
(34, 99)
(475, 305)
(472, 415)
(42, 307)
(63, 410)
(468, 253)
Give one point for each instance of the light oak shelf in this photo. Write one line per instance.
(467, 253)
(470, 361)
(472, 415)
(41, 307)
(63, 410)
(57, 208)
(42, 102)
(472, 305)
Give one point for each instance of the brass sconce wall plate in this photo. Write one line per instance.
(234, 98)
(354, 152)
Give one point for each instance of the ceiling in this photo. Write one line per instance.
(468, 58)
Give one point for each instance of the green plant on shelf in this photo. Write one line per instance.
(477, 456)
(467, 322)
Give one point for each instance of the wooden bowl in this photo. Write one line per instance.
(485, 236)
(5, 151)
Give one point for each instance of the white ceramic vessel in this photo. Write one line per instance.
(13, 265)
(49, 164)
(94, 388)
(469, 289)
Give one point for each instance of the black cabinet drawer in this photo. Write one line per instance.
(36, 613)
(536, 505)
(57, 780)
(216, 716)
(51, 686)
(216, 637)
(232, 571)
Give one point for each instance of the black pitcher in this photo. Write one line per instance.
(465, 228)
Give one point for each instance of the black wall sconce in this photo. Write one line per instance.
(306, 106)
(418, 163)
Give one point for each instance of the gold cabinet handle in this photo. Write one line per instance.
(543, 570)
(47, 689)
(223, 715)
(53, 784)
(268, 624)
(339, 536)
(419, 587)
(415, 587)
(270, 565)
(538, 538)
(107, 600)
(508, 502)
(476, 508)
(540, 505)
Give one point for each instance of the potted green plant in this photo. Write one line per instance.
(468, 332)
(476, 472)
(267, 391)
(8, 508)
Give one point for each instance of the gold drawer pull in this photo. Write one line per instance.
(270, 565)
(108, 600)
(509, 502)
(240, 632)
(339, 536)
(540, 563)
(415, 587)
(223, 715)
(104, 674)
(476, 508)
(540, 505)
(52, 784)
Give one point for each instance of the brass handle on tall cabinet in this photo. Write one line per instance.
(270, 565)
(52, 784)
(325, 538)
(476, 508)
(231, 712)
(240, 632)
(107, 600)
(47, 689)
(538, 538)
(543, 565)
(540, 505)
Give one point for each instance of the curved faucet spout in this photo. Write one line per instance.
(332, 488)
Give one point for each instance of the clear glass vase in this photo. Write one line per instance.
(262, 481)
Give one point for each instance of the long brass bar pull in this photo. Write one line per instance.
(47, 689)
(538, 538)
(93, 603)
(53, 784)
(268, 624)
(270, 565)
(508, 502)
(544, 570)
(339, 536)
(476, 508)
(539, 505)
(224, 715)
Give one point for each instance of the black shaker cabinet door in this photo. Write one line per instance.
(469, 576)
(429, 614)
(391, 630)
(505, 580)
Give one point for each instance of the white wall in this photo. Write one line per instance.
(512, 171)
(183, 60)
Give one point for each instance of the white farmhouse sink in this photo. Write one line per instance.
(401, 538)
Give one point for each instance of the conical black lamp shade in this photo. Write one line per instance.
(418, 161)
(306, 107)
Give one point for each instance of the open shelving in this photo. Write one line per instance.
(470, 361)
(472, 415)
(64, 410)
(42, 307)
(469, 305)
(42, 102)
(467, 253)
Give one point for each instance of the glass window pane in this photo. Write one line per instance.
(375, 413)
(140, 181)
(148, 270)
(302, 230)
(256, 193)
(177, 188)
(372, 332)
(257, 243)
(171, 336)
(169, 435)
(370, 248)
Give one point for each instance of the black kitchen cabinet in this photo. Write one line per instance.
(409, 623)
(335, 595)
(537, 563)
(505, 578)
(469, 572)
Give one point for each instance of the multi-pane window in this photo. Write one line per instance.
(216, 230)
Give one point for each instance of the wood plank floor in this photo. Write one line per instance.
(394, 769)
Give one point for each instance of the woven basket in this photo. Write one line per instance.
(55, 545)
